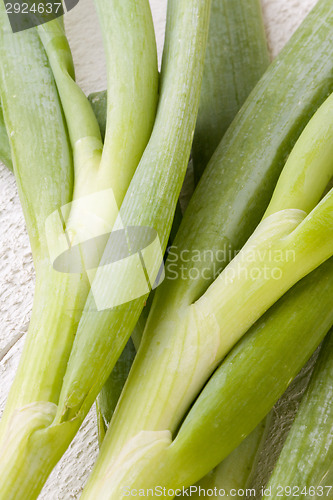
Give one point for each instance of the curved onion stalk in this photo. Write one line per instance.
(300, 185)
(305, 463)
(227, 409)
(60, 297)
(41, 157)
(297, 323)
(236, 57)
(157, 180)
(43, 170)
(247, 181)
(5, 154)
(95, 173)
(231, 477)
(296, 187)
(309, 166)
(173, 363)
(210, 327)
(98, 104)
(308, 170)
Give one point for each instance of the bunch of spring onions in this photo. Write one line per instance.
(187, 328)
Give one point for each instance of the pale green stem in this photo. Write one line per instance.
(209, 325)
(232, 475)
(43, 169)
(150, 201)
(175, 363)
(34, 121)
(278, 345)
(284, 249)
(236, 58)
(281, 251)
(308, 168)
(5, 153)
(307, 455)
(52, 330)
(228, 408)
(130, 88)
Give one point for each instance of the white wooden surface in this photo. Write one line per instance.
(16, 271)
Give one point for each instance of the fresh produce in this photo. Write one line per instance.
(172, 136)
(185, 328)
(228, 408)
(160, 173)
(233, 475)
(152, 371)
(310, 155)
(305, 464)
(141, 434)
(236, 57)
(263, 164)
(5, 154)
(25, 72)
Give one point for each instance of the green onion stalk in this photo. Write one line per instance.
(187, 337)
(302, 192)
(236, 57)
(299, 188)
(234, 474)
(165, 379)
(5, 154)
(150, 201)
(205, 227)
(228, 408)
(133, 465)
(60, 167)
(305, 463)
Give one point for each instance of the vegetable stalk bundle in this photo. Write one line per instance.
(245, 294)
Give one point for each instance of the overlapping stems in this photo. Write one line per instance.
(186, 339)
(305, 463)
(43, 156)
(44, 411)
